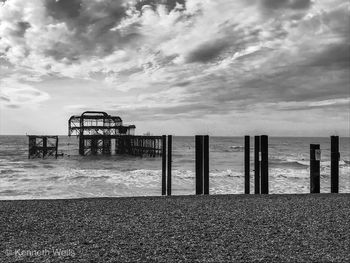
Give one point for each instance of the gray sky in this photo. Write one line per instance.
(221, 67)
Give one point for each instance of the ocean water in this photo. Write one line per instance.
(74, 176)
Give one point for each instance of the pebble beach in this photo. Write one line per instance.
(220, 228)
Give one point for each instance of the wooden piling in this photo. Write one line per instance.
(335, 164)
(315, 156)
(164, 165)
(264, 144)
(56, 145)
(81, 145)
(44, 146)
(199, 164)
(170, 137)
(206, 164)
(257, 164)
(247, 164)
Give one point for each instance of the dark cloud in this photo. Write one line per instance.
(207, 51)
(22, 28)
(91, 23)
(13, 106)
(293, 4)
(5, 99)
(63, 9)
(336, 55)
(182, 84)
(331, 106)
(170, 4)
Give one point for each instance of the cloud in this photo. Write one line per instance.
(207, 51)
(15, 94)
(181, 58)
(293, 4)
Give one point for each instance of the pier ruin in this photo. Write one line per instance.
(100, 133)
(42, 146)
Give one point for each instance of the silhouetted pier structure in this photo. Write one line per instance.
(100, 133)
(42, 146)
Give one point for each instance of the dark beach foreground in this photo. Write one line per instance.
(226, 228)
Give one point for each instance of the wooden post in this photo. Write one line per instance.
(335, 164)
(163, 164)
(315, 156)
(44, 146)
(199, 164)
(169, 163)
(56, 147)
(206, 164)
(247, 164)
(257, 164)
(264, 164)
(81, 145)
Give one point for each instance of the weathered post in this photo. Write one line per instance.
(56, 147)
(199, 164)
(81, 144)
(170, 137)
(264, 164)
(247, 164)
(163, 164)
(335, 164)
(315, 156)
(44, 146)
(206, 164)
(257, 164)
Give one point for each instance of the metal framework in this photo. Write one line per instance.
(97, 131)
(98, 123)
(42, 146)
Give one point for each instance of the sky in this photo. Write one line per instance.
(217, 67)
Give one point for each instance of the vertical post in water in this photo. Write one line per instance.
(56, 146)
(247, 164)
(163, 164)
(170, 137)
(335, 164)
(264, 143)
(206, 164)
(81, 144)
(257, 164)
(315, 155)
(199, 164)
(44, 146)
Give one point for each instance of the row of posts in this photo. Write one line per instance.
(315, 159)
(261, 172)
(202, 164)
(261, 165)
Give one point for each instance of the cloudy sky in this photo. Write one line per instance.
(221, 67)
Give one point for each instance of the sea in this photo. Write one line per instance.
(74, 176)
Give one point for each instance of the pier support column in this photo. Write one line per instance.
(106, 146)
(257, 164)
(170, 142)
(81, 145)
(94, 146)
(44, 147)
(264, 164)
(335, 155)
(247, 164)
(206, 164)
(199, 164)
(315, 156)
(164, 165)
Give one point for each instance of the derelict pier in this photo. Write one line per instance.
(100, 133)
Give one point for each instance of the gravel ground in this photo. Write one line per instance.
(222, 228)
